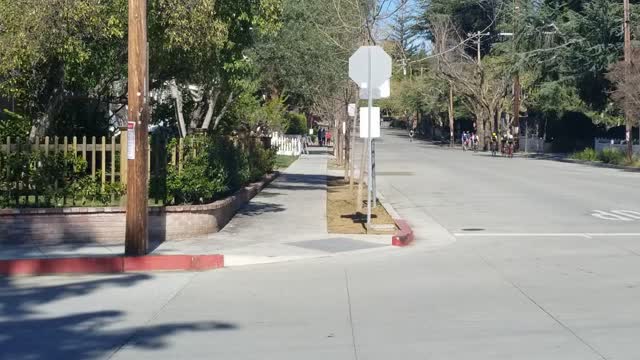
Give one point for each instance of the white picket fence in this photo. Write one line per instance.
(601, 144)
(290, 145)
(533, 145)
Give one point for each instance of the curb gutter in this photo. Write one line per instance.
(110, 264)
(404, 236)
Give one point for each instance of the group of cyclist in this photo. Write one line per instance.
(505, 143)
(470, 141)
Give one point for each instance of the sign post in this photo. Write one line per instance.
(370, 68)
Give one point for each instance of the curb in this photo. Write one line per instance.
(110, 265)
(121, 264)
(404, 236)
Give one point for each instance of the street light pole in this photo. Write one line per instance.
(369, 143)
(136, 238)
(627, 63)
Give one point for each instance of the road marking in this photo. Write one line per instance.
(519, 235)
(616, 215)
(584, 235)
(627, 213)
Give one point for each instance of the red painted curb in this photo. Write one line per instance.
(111, 264)
(404, 236)
(173, 262)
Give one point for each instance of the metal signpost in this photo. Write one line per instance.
(370, 68)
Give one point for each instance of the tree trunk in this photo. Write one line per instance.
(480, 127)
(629, 141)
(363, 165)
(451, 117)
(175, 92)
(347, 152)
(224, 109)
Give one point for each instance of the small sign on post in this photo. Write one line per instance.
(364, 122)
(351, 109)
(131, 140)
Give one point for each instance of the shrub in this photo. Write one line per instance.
(215, 166)
(15, 125)
(586, 155)
(261, 161)
(55, 178)
(202, 177)
(296, 124)
(611, 156)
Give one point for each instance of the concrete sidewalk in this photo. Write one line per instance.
(286, 221)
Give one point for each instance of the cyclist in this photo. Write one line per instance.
(472, 141)
(494, 143)
(411, 134)
(467, 140)
(510, 144)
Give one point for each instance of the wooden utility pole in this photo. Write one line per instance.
(137, 235)
(627, 63)
(517, 89)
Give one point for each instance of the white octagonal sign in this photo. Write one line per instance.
(381, 92)
(373, 58)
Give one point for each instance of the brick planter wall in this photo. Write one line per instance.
(107, 225)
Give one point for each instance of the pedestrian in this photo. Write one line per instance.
(328, 138)
(321, 136)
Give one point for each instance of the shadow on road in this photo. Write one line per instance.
(26, 334)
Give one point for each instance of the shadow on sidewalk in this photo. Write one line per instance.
(255, 208)
(300, 182)
(26, 334)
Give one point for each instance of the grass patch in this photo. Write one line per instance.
(585, 155)
(612, 156)
(284, 161)
(344, 217)
(606, 156)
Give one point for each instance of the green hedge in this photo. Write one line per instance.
(607, 156)
(54, 180)
(213, 167)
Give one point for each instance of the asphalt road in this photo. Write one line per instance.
(540, 278)
(466, 190)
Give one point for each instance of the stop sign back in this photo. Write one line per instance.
(372, 57)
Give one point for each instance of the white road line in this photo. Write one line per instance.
(585, 235)
(519, 235)
(613, 234)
